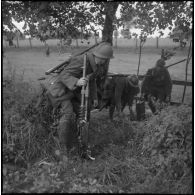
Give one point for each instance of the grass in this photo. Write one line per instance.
(34, 61)
(125, 161)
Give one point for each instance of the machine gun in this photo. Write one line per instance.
(83, 121)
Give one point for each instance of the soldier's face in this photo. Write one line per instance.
(100, 61)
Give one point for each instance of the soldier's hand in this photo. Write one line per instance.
(95, 103)
(82, 81)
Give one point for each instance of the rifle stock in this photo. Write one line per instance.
(52, 70)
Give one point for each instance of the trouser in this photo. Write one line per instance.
(67, 111)
(66, 115)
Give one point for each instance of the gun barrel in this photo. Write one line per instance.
(175, 63)
(83, 87)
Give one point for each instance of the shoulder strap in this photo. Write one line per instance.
(92, 61)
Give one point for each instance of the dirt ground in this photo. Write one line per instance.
(120, 165)
(33, 62)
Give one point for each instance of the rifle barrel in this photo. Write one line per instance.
(175, 63)
(83, 87)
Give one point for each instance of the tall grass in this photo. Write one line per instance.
(24, 136)
(152, 156)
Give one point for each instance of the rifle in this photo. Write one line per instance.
(83, 121)
(140, 76)
(60, 67)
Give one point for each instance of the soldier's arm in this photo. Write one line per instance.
(146, 82)
(168, 83)
(71, 74)
(93, 89)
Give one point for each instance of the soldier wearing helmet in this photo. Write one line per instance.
(157, 85)
(65, 92)
(120, 91)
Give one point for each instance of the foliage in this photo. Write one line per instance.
(57, 19)
(23, 134)
(151, 16)
(168, 141)
(152, 156)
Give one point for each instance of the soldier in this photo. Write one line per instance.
(118, 92)
(65, 92)
(157, 85)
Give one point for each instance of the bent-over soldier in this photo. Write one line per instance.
(157, 85)
(120, 91)
(65, 92)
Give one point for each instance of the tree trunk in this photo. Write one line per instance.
(136, 43)
(157, 42)
(77, 43)
(95, 38)
(30, 43)
(17, 39)
(115, 42)
(110, 11)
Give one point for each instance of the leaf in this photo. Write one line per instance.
(154, 152)
(85, 181)
(92, 181)
(17, 178)
(4, 171)
(57, 152)
(64, 159)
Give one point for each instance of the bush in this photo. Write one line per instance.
(168, 141)
(152, 156)
(25, 136)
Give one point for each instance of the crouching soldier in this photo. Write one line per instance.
(157, 85)
(65, 91)
(120, 91)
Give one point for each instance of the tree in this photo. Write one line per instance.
(62, 18)
(152, 16)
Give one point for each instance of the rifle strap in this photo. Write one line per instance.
(92, 61)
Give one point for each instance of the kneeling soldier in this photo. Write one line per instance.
(65, 92)
(118, 92)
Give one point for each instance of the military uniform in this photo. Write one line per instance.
(64, 90)
(64, 93)
(118, 92)
(158, 84)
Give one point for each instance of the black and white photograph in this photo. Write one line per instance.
(97, 97)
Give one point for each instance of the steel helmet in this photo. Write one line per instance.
(133, 80)
(104, 51)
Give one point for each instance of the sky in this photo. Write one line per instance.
(132, 30)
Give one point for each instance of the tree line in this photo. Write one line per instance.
(73, 17)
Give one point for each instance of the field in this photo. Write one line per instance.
(151, 156)
(33, 62)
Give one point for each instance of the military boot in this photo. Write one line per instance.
(63, 133)
(85, 153)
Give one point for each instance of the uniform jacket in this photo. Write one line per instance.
(157, 79)
(120, 91)
(64, 85)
